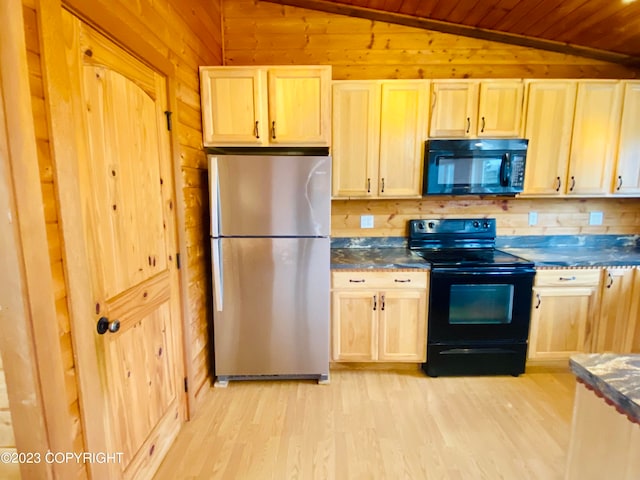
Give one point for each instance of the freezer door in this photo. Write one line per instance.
(273, 318)
(273, 195)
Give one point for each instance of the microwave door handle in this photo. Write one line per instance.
(505, 170)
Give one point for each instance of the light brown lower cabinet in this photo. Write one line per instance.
(563, 312)
(379, 316)
(617, 322)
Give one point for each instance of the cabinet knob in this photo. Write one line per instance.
(482, 128)
(273, 129)
(619, 183)
(559, 184)
(256, 131)
(539, 300)
(468, 124)
(573, 183)
(609, 285)
(375, 302)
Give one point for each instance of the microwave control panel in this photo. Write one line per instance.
(517, 171)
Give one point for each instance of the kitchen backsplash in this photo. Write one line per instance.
(555, 216)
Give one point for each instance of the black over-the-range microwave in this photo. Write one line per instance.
(480, 166)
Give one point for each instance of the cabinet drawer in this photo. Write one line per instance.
(391, 279)
(569, 277)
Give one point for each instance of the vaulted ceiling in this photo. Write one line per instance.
(604, 29)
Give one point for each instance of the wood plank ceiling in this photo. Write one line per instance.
(604, 29)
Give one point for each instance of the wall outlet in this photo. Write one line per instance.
(366, 221)
(533, 218)
(595, 218)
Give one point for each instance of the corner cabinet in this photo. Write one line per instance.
(263, 106)
(563, 312)
(627, 176)
(379, 128)
(379, 316)
(472, 108)
(617, 321)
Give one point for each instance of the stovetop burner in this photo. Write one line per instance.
(471, 257)
(460, 243)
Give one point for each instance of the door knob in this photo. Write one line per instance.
(104, 325)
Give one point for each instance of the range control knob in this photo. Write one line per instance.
(431, 224)
(476, 224)
(421, 226)
(486, 225)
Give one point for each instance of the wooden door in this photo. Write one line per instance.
(403, 130)
(500, 108)
(560, 318)
(127, 197)
(626, 180)
(234, 106)
(300, 105)
(615, 311)
(454, 109)
(595, 134)
(356, 138)
(548, 126)
(403, 326)
(354, 323)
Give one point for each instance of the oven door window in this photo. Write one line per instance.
(483, 304)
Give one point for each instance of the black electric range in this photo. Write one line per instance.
(479, 300)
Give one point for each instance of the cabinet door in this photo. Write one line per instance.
(354, 324)
(356, 128)
(615, 311)
(595, 133)
(299, 105)
(234, 106)
(627, 176)
(403, 326)
(632, 337)
(561, 320)
(548, 125)
(403, 130)
(454, 108)
(500, 108)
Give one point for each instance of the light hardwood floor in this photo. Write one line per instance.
(380, 424)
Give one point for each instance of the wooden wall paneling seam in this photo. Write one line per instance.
(27, 293)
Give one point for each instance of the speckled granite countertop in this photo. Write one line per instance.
(613, 376)
(375, 257)
(548, 251)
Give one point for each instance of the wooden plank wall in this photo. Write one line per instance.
(262, 33)
(567, 216)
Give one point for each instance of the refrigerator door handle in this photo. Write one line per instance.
(309, 194)
(214, 194)
(216, 257)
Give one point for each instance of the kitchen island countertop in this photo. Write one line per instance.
(616, 377)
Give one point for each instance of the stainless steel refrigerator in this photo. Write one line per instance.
(270, 223)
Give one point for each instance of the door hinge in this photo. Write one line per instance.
(168, 115)
(186, 385)
(178, 260)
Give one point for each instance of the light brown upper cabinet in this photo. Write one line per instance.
(260, 106)
(626, 180)
(474, 108)
(379, 129)
(594, 139)
(548, 126)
